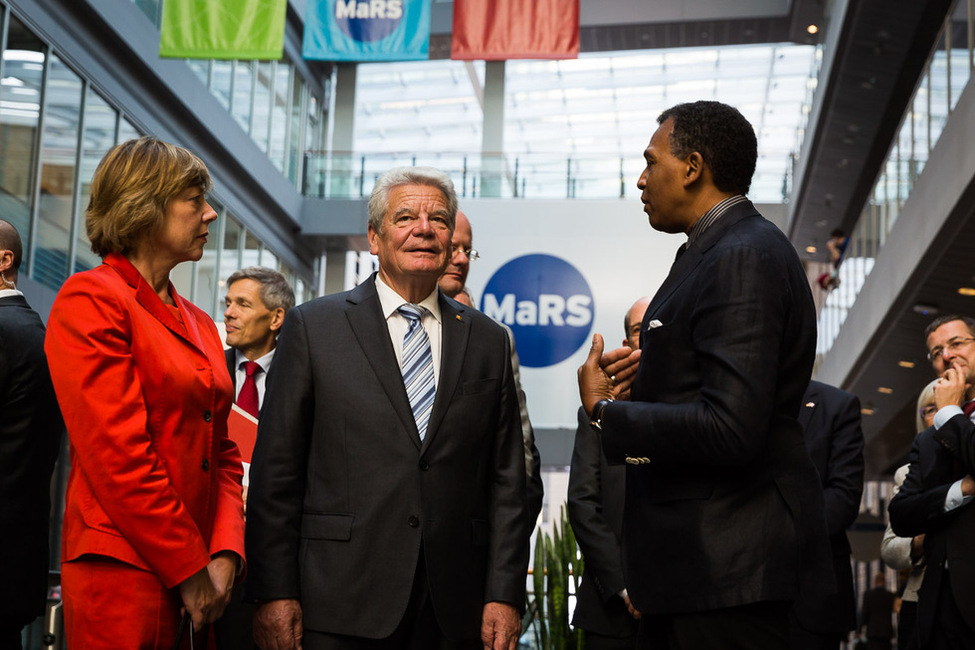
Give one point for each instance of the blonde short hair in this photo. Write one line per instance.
(131, 188)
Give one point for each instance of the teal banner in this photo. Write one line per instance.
(367, 30)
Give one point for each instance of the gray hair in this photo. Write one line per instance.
(275, 291)
(379, 199)
(926, 397)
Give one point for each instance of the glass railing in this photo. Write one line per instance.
(528, 175)
(945, 78)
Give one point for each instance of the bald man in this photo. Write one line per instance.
(595, 506)
(453, 283)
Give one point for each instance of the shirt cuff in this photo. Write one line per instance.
(954, 498)
(945, 413)
(622, 593)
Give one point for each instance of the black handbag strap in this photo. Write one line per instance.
(184, 623)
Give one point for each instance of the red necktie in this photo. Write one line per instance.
(247, 397)
(967, 408)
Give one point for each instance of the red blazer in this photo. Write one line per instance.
(155, 481)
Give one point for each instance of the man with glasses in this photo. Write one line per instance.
(938, 490)
(453, 283)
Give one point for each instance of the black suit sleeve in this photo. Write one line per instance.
(843, 482)
(278, 473)
(732, 344)
(600, 545)
(957, 435)
(917, 508)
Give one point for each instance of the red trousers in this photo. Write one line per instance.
(110, 604)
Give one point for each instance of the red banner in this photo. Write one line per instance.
(496, 30)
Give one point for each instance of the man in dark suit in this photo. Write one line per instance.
(453, 283)
(257, 300)
(254, 308)
(877, 615)
(830, 420)
(723, 522)
(383, 512)
(595, 505)
(935, 499)
(30, 436)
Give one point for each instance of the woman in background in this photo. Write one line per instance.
(153, 521)
(903, 553)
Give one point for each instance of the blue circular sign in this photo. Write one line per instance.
(368, 20)
(546, 302)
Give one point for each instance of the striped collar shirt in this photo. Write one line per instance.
(712, 215)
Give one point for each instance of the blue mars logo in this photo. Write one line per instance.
(368, 20)
(546, 302)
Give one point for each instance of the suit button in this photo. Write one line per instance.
(206, 464)
(424, 466)
(207, 416)
(414, 521)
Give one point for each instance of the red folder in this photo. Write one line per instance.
(242, 428)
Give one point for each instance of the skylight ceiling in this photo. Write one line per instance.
(598, 110)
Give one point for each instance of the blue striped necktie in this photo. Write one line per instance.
(418, 367)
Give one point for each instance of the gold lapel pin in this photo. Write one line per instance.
(457, 316)
(810, 404)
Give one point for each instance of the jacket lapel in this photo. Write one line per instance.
(365, 315)
(686, 263)
(154, 305)
(809, 405)
(454, 334)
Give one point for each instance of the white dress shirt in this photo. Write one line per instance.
(398, 324)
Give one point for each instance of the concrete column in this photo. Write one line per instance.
(343, 181)
(492, 142)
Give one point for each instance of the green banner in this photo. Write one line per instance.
(223, 29)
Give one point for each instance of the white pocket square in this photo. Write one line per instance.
(654, 324)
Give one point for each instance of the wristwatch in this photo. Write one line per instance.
(596, 419)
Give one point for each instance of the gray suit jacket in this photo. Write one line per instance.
(343, 495)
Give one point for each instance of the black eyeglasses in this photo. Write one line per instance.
(928, 411)
(951, 346)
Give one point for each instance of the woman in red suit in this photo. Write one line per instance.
(153, 521)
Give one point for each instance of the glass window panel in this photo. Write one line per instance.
(201, 68)
(230, 255)
(243, 88)
(20, 105)
(294, 144)
(97, 139)
(251, 255)
(206, 268)
(269, 259)
(126, 131)
(220, 85)
(279, 115)
(262, 104)
(59, 149)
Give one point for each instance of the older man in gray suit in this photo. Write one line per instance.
(387, 505)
